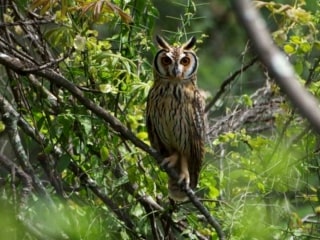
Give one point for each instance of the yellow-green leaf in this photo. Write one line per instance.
(2, 126)
(289, 49)
(104, 153)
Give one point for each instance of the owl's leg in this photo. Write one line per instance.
(170, 161)
(184, 174)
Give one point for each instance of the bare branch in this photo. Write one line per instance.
(276, 62)
(84, 177)
(16, 65)
(10, 118)
(25, 178)
(259, 117)
(29, 22)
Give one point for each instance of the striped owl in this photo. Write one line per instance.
(175, 114)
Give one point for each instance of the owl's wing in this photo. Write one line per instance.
(154, 139)
(197, 141)
(198, 120)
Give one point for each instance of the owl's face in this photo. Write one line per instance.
(175, 63)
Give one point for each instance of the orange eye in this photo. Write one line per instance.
(185, 61)
(166, 60)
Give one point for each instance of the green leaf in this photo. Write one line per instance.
(86, 125)
(63, 163)
(142, 135)
(305, 47)
(289, 49)
(104, 153)
(79, 43)
(107, 88)
(2, 126)
(298, 67)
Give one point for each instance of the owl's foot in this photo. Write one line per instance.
(184, 177)
(184, 174)
(170, 161)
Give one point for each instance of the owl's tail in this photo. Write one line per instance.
(175, 191)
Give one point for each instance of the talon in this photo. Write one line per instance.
(170, 161)
(184, 176)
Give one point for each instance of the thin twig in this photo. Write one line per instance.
(276, 62)
(86, 180)
(56, 78)
(25, 178)
(228, 81)
(10, 119)
(84, 177)
(29, 22)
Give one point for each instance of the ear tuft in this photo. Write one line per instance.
(190, 43)
(162, 43)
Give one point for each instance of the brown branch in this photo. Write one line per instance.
(85, 178)
(16, 65)
(25, 178)
(259, 117)
(28, 22)
(10, 119)
(276, 62)
(90, 183)
(152, 208)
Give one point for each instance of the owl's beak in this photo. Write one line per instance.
(176, 72)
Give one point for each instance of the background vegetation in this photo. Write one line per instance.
(70, 170)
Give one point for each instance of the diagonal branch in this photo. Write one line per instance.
(25, 178)
(228, 81)
(10, 119)
(84, 177)
(276, 62)
(56, 78)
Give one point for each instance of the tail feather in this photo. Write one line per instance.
(175, 191)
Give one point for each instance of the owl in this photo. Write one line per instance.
(175, 114)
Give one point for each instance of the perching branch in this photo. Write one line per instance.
(18, 66)
(84, 177)
(276, 62)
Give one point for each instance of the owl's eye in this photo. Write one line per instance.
(185, 61)
(166, 60)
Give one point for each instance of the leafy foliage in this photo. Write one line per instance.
(76, 178)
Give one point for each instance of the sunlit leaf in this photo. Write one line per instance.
(2, 126)
(289, 49)
(104, 153)
(79, 43)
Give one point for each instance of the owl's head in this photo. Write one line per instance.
(175, 63)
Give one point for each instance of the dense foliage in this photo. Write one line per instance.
(67, 172)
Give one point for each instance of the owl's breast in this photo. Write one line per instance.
(172, 115)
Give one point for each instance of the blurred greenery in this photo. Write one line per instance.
(259, 185)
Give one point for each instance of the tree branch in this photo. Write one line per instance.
(276, 62)
(85, 178)
(259, 117)
(18, 66)
(25, 178)
(10, 119)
